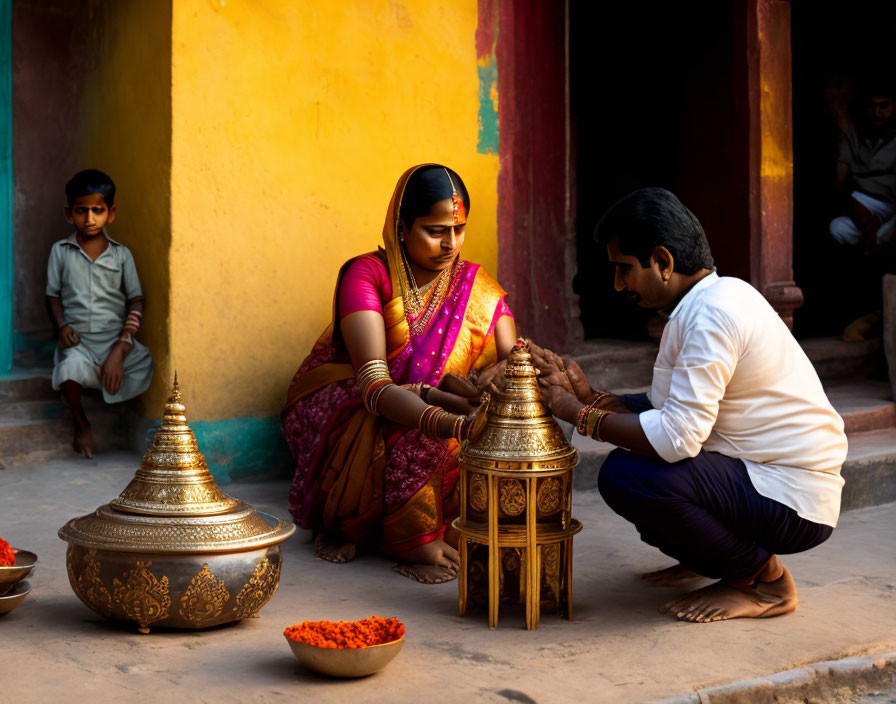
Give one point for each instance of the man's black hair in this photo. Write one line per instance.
(427, 186)
(88, 182)
(654, 217)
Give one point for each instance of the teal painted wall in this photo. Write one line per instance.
(238, 448)
(6, 272)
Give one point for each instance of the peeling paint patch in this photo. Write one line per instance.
(487, 68)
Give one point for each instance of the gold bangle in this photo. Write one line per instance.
(597, 424)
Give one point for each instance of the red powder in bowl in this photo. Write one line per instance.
(375, 630)
(7, 554)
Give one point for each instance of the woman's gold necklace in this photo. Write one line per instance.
(433, 296)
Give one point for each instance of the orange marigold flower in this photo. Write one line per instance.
(7, 554)
(375, 630)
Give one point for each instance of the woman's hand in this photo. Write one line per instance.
(457, 385)
(474, 423)
(487, 376)
(453, 403)
(455, 394)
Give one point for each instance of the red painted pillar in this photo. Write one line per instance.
(771, 154)
(536, 229)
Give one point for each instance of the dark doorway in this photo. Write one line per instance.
(657, 98)
(838, 47)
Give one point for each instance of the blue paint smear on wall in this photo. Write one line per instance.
(488, 114)
(240, 448)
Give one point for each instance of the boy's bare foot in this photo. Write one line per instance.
(671, 576)
(334, 548)
(83, 442)
(721, 601)
(432, 563)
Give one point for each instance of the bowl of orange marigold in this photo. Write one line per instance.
(346, 648)
(15, 565)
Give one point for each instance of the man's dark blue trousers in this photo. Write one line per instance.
(703, 511)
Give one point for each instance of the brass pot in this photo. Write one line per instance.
(173, 550)
(174, 590)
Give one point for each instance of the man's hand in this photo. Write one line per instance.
(112, 370)
(68, 337)
(565, 372)
(562, 403)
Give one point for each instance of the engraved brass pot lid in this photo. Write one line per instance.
(173, 505)
(520, 432)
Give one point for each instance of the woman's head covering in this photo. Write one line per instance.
(399, 266)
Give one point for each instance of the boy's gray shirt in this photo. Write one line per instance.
(94, 293)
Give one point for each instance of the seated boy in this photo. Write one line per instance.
(95, 303)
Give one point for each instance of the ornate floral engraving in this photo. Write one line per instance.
(204, 599)
(550, 569)
(259, 589)
(142, 596)
(90, 587)
(478, 492)
(512, 497)
(549, 496)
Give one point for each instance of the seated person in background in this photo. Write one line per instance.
(866, 182)
(376, 412)
(866, 169)
(96, 304)
(734, 456)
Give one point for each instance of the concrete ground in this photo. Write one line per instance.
(618, 648)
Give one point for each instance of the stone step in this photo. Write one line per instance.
(611, 364)
(864, 404)
(835, 359)
(617, 364)
(28, 410)
(869, 471)
(26, 385)
(25, 443)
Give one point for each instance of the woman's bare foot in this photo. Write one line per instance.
(671, 576)
(721, 601)
(334, 548)
(83, 441)
(432, 563)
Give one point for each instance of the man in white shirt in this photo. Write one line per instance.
(734, 456)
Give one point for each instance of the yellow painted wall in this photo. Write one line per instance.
(291, 122)
(125, 130)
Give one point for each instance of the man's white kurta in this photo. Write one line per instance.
(731, 378)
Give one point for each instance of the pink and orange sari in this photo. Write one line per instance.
(362, 474)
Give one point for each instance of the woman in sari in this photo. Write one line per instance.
(376, 413)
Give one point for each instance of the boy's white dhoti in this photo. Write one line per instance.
(82, 362)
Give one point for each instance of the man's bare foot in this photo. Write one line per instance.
(432, 563)
(721, 601)
(671, 576)
(334, 548)
(83, 442)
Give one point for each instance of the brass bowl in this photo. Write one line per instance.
(346, 662)
(15, 597)
(10, 575)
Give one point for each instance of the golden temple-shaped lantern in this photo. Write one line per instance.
(173, 550)
(516, 501)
